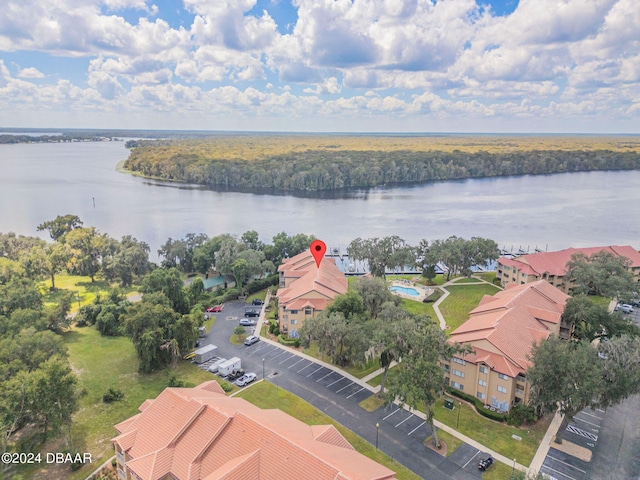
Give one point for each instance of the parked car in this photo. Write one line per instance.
(251, 313)
(251, 339)
(236, 374)
(257, 301)
(246, 379)
(215, 309)
(485, 463)
(624, 308)
(248, 322)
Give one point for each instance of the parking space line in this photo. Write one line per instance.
(592, 415)
(421, 424)
(355, 392)
(281, 353)
(291, 366)
(601, 411)
(341, 378)
(469, 461)
(396, 410)
(287, 359)
(325, 375)
(565, 463)
(345, 387)
(404, 420)
(310, 363)
(316, 370)
(557, 471)
(585, 421)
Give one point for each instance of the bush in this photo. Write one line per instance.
(261, 284)
(231, 294)
(276, 331)
(496, 281)
(114, 462)
(287, 341)
(521, 414)
(174, 381)
(296, 342)
(485, 412)
(226, 386)
(112, 395)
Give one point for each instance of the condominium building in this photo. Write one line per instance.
(502, 330)
(305, 289)
(201, 434)
(552, 266)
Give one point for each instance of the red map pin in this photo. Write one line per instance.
(318, 249)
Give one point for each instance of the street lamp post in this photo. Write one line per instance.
(263, 369)
(458, 421)
(377, 427)
(513, 470)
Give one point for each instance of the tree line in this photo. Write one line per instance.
(318, 170)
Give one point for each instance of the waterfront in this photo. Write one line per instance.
(40, 181)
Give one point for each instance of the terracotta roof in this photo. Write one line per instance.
(511, 321)
(554, 263)
(327, 281)
(199, 433)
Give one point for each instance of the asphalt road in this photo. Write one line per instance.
(400, 433)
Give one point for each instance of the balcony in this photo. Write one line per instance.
(520, 392)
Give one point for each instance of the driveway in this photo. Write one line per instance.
(400, 433)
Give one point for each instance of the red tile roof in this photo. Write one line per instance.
(554, 263)
(199, 433)
(327, 282)
(510, 322)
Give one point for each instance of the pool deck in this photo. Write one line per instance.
(423, 292)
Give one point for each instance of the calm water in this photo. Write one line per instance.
(40, 181)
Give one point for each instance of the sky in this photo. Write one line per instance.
(527, 66)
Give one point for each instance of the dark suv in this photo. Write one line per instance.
(251, 313)
(257, 301)
(485, 463)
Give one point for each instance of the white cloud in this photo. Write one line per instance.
(30, 72)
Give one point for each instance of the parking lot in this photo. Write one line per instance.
(400, 434)
(583, 431)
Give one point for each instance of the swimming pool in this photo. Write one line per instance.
(405, 290)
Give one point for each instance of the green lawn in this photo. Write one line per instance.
(496, 436)
(266, 395)
(452, 442)
(419, 308)
(357, 371)
(463, 298)
(101, 363)
(81, 286)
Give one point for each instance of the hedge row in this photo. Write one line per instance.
(499, 417)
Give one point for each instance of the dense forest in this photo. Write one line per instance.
(313, 163)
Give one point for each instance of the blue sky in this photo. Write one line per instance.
(322, 65)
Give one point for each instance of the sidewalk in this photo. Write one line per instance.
(545, 444)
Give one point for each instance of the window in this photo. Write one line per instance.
(484, 370)
(502, 389)
(458, 373)
(294, 312)
(457, 385)
(502, 376)
(481, 395)
(482, 382)
(294, 322)
(308, 311)
(459, 360)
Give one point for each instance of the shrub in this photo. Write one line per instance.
(261, 284)
(520, 414)
(485, 412)
(231, 294)
(496, 281)
(287, 341)
(226, 386)
(112, 395)
(276, 330)
(174, 381)
(296, 342)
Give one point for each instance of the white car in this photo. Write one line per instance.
(246, 379)
(624, 308)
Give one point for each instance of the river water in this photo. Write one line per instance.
(40, 181)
